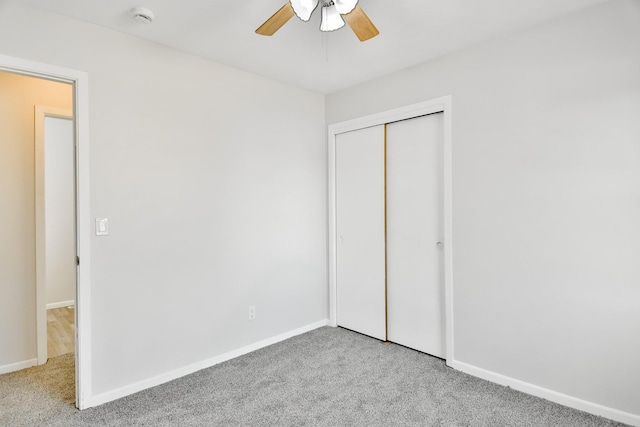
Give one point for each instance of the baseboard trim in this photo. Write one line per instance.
(178, 373)
(553, 396)
(18, 366)
(61, 304)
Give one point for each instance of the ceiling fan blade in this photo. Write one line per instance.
(361, 24)
(278, 19)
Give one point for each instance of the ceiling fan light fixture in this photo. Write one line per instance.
(332, 14)
(304, 8)
(345, 6)
(331, 19)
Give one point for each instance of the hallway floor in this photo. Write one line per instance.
(60, 331)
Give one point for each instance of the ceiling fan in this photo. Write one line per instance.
(333, 12)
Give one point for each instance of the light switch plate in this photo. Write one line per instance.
(102, 227)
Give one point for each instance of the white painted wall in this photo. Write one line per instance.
(60, 210)
(214, 184)
(18, 96)
(546, 199)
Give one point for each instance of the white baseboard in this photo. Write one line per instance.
(553, 396)
(61, 304)
(178, 373)
(18, 366)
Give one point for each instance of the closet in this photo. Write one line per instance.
(389, 232)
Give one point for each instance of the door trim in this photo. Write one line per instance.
(42, 112)
(79, 80)
(437, 105)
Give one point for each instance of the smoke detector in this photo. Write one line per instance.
(142, 15)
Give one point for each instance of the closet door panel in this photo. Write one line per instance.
(414, 228)
(360, 221)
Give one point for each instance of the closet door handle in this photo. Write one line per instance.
(439, 244)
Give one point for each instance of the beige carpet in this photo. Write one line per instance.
(327, 377)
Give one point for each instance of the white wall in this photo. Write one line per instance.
(546, 199)
(18, 97)
(60, 210)
(214, 184)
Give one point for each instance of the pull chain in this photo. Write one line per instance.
(325, 45)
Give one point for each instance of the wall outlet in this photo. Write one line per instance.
(252, 312)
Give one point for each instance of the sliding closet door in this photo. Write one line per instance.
(415, 284)
(360, 265)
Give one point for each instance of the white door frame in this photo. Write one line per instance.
(444, 105)
(41, 112)
(79, 80)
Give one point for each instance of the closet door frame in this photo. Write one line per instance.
(437, 105)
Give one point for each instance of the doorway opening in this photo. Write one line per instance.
(56, 258)
(42, 103)
(39, 213)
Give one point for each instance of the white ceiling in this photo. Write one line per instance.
(411, 32)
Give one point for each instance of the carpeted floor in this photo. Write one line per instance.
(327, 377)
